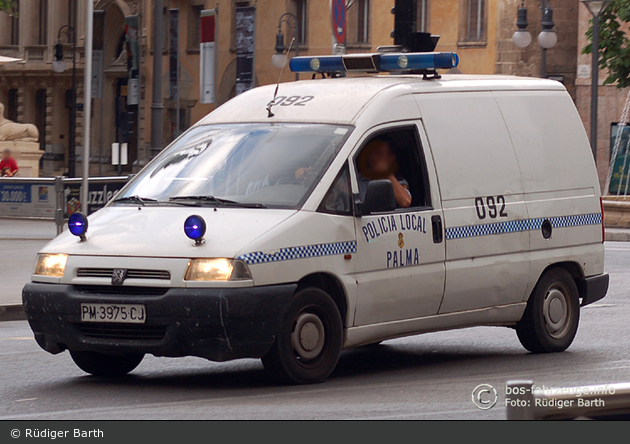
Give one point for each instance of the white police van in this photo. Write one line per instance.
(256, 234)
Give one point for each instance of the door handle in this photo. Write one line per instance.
(438, 236)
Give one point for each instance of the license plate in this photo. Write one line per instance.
(119, 313)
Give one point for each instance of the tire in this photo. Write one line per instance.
(295, 358)
(101, 364)
(552, 315)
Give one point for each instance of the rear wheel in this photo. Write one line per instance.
(308, 345)
(552, 315)
(109, 365)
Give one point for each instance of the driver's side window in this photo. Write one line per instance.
(395, 154)
(338, 199)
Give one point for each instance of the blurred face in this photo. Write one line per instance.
(382, 160)
(6, 155)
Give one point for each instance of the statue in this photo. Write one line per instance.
(18, 132)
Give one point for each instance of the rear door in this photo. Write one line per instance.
(400, 254)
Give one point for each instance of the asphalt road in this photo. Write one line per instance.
(20, 240)
(428, 376)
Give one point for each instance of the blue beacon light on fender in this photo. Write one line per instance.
(195, 229)
(78, 225)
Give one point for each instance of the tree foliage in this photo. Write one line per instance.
(614, 44)
(7, 6)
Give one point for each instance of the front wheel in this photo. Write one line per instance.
(552, 315)
(308, 345)
(108, 365)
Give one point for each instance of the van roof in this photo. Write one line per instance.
(341, 100)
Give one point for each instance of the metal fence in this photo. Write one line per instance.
(54, 198)
(526, 401)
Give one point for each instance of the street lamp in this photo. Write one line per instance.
(546, 39)
(522, 37)
(596, 7)
(59, 66)
(280, 59)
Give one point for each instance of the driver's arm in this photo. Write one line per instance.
(401, 192)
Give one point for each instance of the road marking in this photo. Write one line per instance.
(26, 399)
(16, 339)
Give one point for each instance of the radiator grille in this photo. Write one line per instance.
(131, 273)
(126, 290)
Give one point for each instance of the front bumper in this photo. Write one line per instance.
(214, 323)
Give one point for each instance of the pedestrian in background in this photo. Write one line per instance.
(8, 165)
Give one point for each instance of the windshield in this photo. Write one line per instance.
(267, 165)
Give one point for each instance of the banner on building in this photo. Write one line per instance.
(133, 58)
(97, 54)
(207, 50)
(245, 46)
(173, 53)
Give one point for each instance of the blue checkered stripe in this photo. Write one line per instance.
(291, 253)
(522, 225)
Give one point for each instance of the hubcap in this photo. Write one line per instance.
(307, 338)
(557, 312)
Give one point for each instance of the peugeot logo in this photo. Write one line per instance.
(118, 276)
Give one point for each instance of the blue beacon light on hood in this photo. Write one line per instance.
(195, 229)
(78, 225)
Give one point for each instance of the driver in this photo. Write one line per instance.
(377, 161)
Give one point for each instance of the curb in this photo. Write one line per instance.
(618, 235)
(13, 312)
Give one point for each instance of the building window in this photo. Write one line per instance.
(42, 29)
(12, 105)
(15, 24)
(423, 15)
(40, 117)
(302, 20)
(194, 27)
(235, 5)
(358, 22)
(476, 26)
(363, 21)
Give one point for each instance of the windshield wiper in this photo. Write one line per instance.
(218, 200)
(135, 199)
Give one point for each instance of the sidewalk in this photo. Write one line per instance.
(618, 234)
(20, 240)
(27, 229)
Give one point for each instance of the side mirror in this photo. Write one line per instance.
(379, 198)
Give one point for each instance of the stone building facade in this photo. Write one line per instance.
(478, 30)
(561, 59)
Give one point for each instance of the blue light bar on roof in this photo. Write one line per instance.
(317, 64)
(419, 61)
(376, 62)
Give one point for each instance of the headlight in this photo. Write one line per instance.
(51, 264)
(217, 270)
